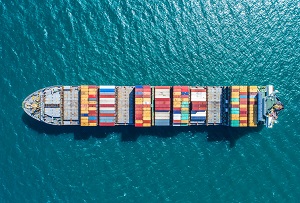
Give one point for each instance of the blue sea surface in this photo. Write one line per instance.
(204, 42)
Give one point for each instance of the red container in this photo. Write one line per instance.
(161, 109)
(139, 90)
(93, 121)
(243, 121)
(176, 108)
(243, 102)
(106, 124)
(138, 96)
(106, 96)
(107, 115)
(106, 105)
(162, 87)
(147, 105)
(138, 124)
(92, 105)
(139, 117)
(146, 121)
(93, 114)
(162, 99)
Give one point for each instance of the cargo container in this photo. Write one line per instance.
(162, 105)
(107, 105)
(181, 103)
(198, 105)
(143, 106)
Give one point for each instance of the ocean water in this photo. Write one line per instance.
(253, 42)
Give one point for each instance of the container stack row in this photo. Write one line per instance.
(252, 106)
(214, 105)
(162, 104)
(88, 105)
(181, 102)
(199, 106)
(107, 105)
(235, 106)
(142, 106)
(243, 106)
(125, 105)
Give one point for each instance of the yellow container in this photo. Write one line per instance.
(234, 116)
(184, 109)
(243, 106)
(92, 108)
(177, 99)
(92, 124)
(235, 102)
(177, 103)
(92, 102)
(243, 118)
(138, 121)
(84, 124)
(235, 87)
(185, 99)
(235, 94)
(146, 124)
(146, 99)
(243, 124)
(147, 113)
(146, 118)
(176, 93)
(139, 100)
(184, 121)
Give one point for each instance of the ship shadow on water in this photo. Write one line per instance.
(130, 133)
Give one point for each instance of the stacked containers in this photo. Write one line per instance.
(93, 105)
(142, 106)
(88, 104)
(181, 102)
(84, 105)
(214, 104)
(235, 106)
(252, 106)
(243, 106)
(199, 106)
(162, 103)
(107, 105)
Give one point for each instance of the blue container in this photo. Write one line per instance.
(243, 96)
(92, 118)
(139, 86)
(84, 115)
(235, 99)
(106, 111)
(106, 90)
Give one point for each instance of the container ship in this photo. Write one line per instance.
(146, 106)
